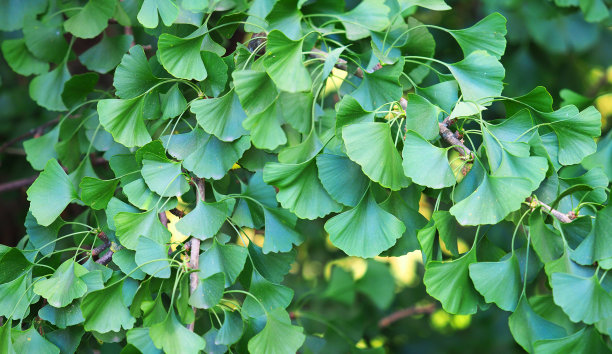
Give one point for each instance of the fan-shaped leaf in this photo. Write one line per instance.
(97, 192)
(498, 282)
(380, 87)
(167, 9)
(124, 120)
(479, 76)
(181, 56)
(221, 116)
(280, 233)
(171, 336)
(527, 327)
(426, 164)
(133, 76)
(226, 259)
(19, 58)
(130, 226)
(582, 298)
(342, 178)
(47, 88)
(205, 220)
(92, 19)
(488, 34)
(64, 285)
(50, 193)
(105, 310)
(278, 325)
(284, 63)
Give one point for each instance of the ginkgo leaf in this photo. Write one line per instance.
(280, 233)
(92, 19)
(125, 260)
(300, 190)
(342, 178)
(479, 76)
(498, 282)
(6, 343)
(349, 111)
(45, 39)
(270, 295)
(152, 257)
(104, 56)
(487, 34)
(272, 266)
(221, 116)
(278, 325)
(62, 317)
(380, 87)
(422, 116)
(546, 241)
(37, 150)
(64, 285)
(426, 164)
(586, 340)
(163, 176)
(527, 326)
(302, 152)
(449, 283)
(47, 88)
(19, 58)
(255, 89)
(369, 15)
(173, 103)
(232, 328)
(205, 220)
(181, 56)
(50, 193)
(574, 130)
(130, 226)
(133, 76)
(167, 9)
(124, 120)
(372, 147)
(97, 192)
(581, 298)
(171, 336)
(284, 63)
(16, 296)
(209, 291)
(404, 204)
(490, 202)
(141, 339)
(437, 5)
(226, 259)
(366, 230)
(30, 341)
(40, 236)
(105, 310)
(265, 128)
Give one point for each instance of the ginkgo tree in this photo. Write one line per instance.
(234, 133)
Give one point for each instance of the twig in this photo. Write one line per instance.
(407, 312)
(194, 257)
(24, 182)
(28, 134)
(163, 218)
(96, 251)
(450, 137)
(564, 218)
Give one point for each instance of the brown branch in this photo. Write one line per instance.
(452, 139)
(194, 257)
(28, 134)
(564, 218)
(407, 312)
(96, 251)
(20, 183)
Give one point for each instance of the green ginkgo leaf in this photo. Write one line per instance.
(133, 76)
(37, 150)
(209, 291)
(369, 15)
(20, 59)
(205, 220)
(142, 197)
(342, 178)
(498, 282)
(131, 225)
(105, 310)
(45, 39)
(349, 111)
(380, 87)
(372, 147)
(422, 116)
(64, 285)
(581, 298)
(586, 340)
(272, 266)
(574, 130)
(280, 233)
(437, 5)
(47, 88)
(141, 339)
(16, 296)
(366, 230)
(104, 56)
(302, 152)
(92, 19)
(62, 317)
(167, 9)
(296, 109)
(171, 336)
(546, 241)
(255, 89)
(41, 237)
(278, 325)
(479, 76)
(181, 56)
(221, 116)
(426, 164)
(404, 204)
(226, 259)
(16, 11)
(163, 176)
(490, 202)
(527, 326)
(125, 260)
(30, 341)
(284, 63)
(6, 343)
(97, 192)
(487, 34)
(50, 193)
(265, 128)
(449, 283)
(173, 103)
(152, 257)
(300, 190)
(232, 328)
(78, 87)
(270, 295)
(124, 120)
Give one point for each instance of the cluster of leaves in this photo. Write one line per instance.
(265, 135)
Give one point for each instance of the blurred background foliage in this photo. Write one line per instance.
(553, 43)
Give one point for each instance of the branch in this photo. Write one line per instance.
(194, 257)
(407, 312)
(107, 243)
(108, 256)
(450, 138)
(28, 134)
(564, 218)
(24, 182)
